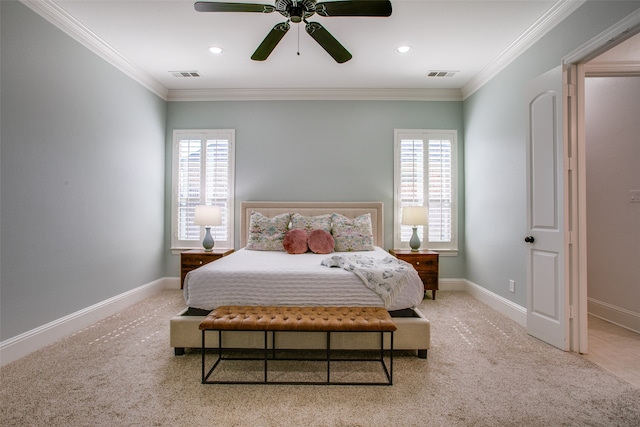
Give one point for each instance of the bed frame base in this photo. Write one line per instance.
(413, 334)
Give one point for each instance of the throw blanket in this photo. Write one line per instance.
(385, 276)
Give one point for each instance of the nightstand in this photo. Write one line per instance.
(426, 264)
(194, 258)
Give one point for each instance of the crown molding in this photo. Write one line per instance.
(319, 94)
(552, 17)
(59, 17)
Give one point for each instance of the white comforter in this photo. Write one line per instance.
(278, 278)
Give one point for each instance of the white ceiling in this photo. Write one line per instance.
(154, 37)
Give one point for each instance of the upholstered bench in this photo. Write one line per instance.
(298, 319)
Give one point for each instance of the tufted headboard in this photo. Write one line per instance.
(348, 209)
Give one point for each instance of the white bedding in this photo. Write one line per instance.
(278, 278)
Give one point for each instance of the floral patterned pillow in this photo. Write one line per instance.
(310, 223)
(267, 234)
(352, 234)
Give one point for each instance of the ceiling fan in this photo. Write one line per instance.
(297, 11)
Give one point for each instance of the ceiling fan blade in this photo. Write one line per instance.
(328, 42)
(269, 43)
(208, 6)
(355, 8)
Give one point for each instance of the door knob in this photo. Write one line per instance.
(529, 239)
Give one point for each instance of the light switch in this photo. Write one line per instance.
(635, 196)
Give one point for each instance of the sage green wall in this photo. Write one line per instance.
(495, 151)
(317, 151)
(82, 176)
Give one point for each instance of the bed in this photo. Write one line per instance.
(267, 277)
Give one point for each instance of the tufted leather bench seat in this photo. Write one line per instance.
(302, 319)
(282, 318)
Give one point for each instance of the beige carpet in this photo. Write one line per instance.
(483, 370)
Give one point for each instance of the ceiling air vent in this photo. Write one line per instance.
(441, 73)
(185, 73)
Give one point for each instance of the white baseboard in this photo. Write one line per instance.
(510, 309)
(452, 285)
(35, 339)
(617, 315)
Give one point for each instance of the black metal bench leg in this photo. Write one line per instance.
(207, 374)
(203, 361)
(328, 357)
(391, 361)
(266, 354)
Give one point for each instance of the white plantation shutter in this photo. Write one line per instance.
(190, 159)
(425, 176)
(203, 175)
(440, 190)
(411, 180)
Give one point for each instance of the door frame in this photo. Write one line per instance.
(575, 140)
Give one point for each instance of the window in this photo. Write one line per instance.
(425, 175)
(203, 163)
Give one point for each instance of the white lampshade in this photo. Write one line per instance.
(414, 215)
(208, 215)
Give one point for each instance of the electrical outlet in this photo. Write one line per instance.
(512, 285)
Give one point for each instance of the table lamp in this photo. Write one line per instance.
(414, 216)
(208, 216)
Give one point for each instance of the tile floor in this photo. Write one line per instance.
(615, 349)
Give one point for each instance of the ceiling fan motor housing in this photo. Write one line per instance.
(296, 10)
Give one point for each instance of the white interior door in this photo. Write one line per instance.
(547, 312)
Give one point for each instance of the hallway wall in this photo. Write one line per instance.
(613, 220)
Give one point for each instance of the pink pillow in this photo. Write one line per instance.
(295, 242)
(320, 242)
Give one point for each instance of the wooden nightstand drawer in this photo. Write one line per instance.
(423, 264)
(196, 258)
(426, 264)
(192, 262)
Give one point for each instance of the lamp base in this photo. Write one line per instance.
(207, 242)
(414, 243)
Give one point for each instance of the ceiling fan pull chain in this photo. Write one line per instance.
(298, 39)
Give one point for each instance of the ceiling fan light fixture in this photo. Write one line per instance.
(403, 49)
(216, 50)
(296, 13)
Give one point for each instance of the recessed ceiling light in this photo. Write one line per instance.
(403, 49)
(215, 49)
